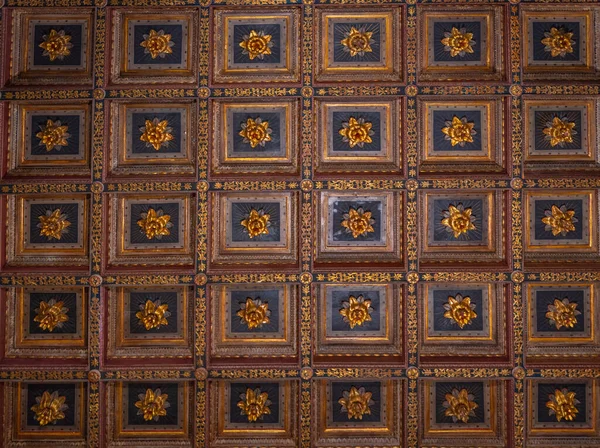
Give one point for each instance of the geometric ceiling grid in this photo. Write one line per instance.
(302, 223)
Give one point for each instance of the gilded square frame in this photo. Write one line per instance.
(120, 164)
(118, 252)
(495, 69)
(14, 434)
(120, 74)
(284, 435)
(494, 434)
(493, 346)
(555, 254)
(18, 255)
(17, 162)
(21, 75)
(222, 74)
(390, 72)
(390, 162)
(118, 435)
(561, 435)
(389, 433)
(244, 257)
(589, 71)
(157, 348)
(555, 349)
(20, 347)
(495, 146)
(389, 255)
(333, 348)
(587, 159)
(223, 166)
(492, 253)
(224, 347)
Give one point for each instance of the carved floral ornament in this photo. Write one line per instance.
(254, 404)
(358, 222)
(460, 310)
(563, 405)
(559, 131)
(357, 132)
(53, 135)
(460, 405)
(257, 44)
(156, 133)
(256, 132)
(53, 224)
(155, 224)
(256, 223)
(356, 403)
(157, 44)
(56, 45)
(254, 313)
(357, 41)
(356, 311)
(558, 42)
(459, 131)
(153, 314)
(152, 405)
(559, 220)
(49, 408)
(562, 313)
(458, 42)
(51, 314)
(458, 220)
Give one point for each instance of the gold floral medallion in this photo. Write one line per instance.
(156, 133)
(458, 42)
(460, 405)
(53, 135)
(558, 42)
(56, 45)
(559, 131)
(562, 313)
(157, 44)
(257, 223)
(356, 403)
(356, 132)
(458, 220)
(357, 41)
(155, 224)
(254, 313)
(460, 310)
(53, 224)
(256, 132)
(49, 408)
(356, 311)
(153, 314)
(563, 405)
(51, 315)
(152, 405)
(358, 222)
(459, 131)
(257, 44)
(559, 220)
(254, 404)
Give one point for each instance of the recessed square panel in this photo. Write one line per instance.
(561, 322)
(48, 230)
(358, 136)
(464, 319)
(365, 222)
(252, 137)
(471, 224)
(559, 406)
(247, 412)
(149, 322)
(261, 227)
(52, 48)
(359, 45)
(358, 319)
(559, 43)
(141, 225)
(46, 322)
(27, 420)
(152, 138)
(258, 47)
(46, 136)
(461, 43)
(462, 136)
(158, 48)
(149, 409)
(451, 408)
(376, 420)
(254, 320)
